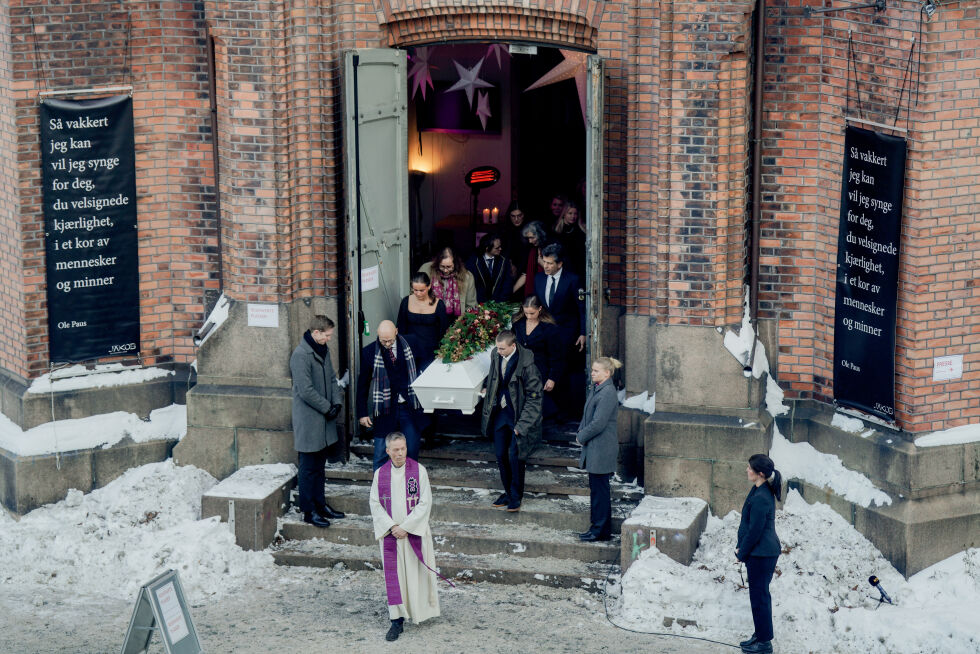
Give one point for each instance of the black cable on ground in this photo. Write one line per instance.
(605, 607)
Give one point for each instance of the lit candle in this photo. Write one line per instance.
(486, 216)
(494, 214)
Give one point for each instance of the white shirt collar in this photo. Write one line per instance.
(557, 275)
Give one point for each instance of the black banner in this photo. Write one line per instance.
(88, 172)
(867, 272)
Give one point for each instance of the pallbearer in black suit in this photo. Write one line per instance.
(597, 433)
(538, 332)
(512, 414)
(491, 271)
(758, 547)
(562, 293)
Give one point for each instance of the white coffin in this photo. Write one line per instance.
(453, 385)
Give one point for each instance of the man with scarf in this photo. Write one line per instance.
(316, 403)
(400, 502)
(385, 398)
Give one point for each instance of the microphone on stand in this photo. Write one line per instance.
(874, 581)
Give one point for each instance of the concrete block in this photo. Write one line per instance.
(246, 354)
(252, 407)
(693, 368)
(729, 486)
(672, 477)
(208, 448)
(639, 345)
(971, 463)
(937, 466)
(715, 437)
(109, 464)
(672, 525)
(140, 399)
(261, 446)
(47, 478)
(253, 498)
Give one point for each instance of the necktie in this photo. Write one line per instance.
(551, 290)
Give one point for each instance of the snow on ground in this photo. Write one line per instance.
(104, 430)
(851, 425)
(953, 436)
(821, 597)
(102, 376)
(114, 539)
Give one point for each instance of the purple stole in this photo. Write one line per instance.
(412, 496)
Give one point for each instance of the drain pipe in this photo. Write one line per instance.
(760, 51)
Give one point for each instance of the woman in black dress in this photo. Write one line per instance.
(423, 315)
(758, 547)
(537, 332)
(570, 232)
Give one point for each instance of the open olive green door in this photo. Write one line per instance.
(376, 192)
(593, 202)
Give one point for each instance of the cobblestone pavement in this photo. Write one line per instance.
(312, 610)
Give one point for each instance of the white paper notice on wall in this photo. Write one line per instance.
(263, 315)
(947, 368)
(370, 278)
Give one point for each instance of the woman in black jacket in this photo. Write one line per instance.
(758, 547)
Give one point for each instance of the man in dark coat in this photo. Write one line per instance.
(559, 289)
(385, 398)
(491, 271)
(512, 414)
(316, 404)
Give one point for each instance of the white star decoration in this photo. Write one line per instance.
(574, 66)
(420, 73)
(497, 49)
(469, 79)
(483, 108)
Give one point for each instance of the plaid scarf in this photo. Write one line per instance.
(380, 394)
(447, 290)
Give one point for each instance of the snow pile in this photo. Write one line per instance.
(104, 430)
(254, 482)
(644, 402)
(803, 461)
(115, 539)
(666, 512)
(740, 346)
(953, 436)
(850, 425)
(821, 598)
(102, 376)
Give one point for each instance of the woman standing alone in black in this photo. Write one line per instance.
(758, 547)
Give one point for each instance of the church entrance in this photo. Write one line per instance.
(452, 145)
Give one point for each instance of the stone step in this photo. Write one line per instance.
(477, 474)
(472, 506)
(559, 456)
(454, 538)
(495, 568)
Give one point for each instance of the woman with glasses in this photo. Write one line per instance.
(536, 238)
(451, 282)
(423, 316)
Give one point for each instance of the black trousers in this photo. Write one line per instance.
(510, 466)
(311, 480)
(600, 500)
(759, 570)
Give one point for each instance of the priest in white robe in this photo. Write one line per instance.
(401, 500)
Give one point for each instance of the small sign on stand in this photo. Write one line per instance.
(161, 607)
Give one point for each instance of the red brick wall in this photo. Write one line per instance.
(84, 45)
(806, 101)
(13, 352)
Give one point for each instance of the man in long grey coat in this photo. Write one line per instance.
(600, 446)
(316, 404)
(512, 414)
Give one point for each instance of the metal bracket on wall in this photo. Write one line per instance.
(879, 5)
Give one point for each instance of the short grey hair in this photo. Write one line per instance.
(394, 436)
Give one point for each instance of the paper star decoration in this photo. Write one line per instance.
(497, 49)
(420, 73)
(573, 67)
(469, 79)
(483, 108)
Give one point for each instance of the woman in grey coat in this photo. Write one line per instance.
(600, 446)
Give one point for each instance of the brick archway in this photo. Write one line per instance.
(565, 24)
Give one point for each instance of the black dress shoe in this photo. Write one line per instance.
(328, 512)
(751, 641)
(315, 519)
(759, 647)
(501, 501)
(396, 630)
